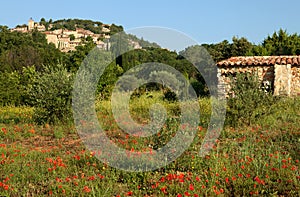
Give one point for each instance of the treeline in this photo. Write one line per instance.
(28, 64)
(71, 24)
(18, 50)
(279, 43)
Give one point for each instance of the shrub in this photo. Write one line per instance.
(15, 87)
(247, 100)
(10, 89)
(51, 95)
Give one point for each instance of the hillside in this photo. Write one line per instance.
(67, 34)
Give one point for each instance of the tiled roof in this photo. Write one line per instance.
(260, 60)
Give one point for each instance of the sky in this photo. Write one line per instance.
(207, 21)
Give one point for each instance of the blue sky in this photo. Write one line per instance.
(204, 21)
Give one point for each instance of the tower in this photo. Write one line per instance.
(30, 24)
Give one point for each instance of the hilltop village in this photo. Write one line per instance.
(67, 40)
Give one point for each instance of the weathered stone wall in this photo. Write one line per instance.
(285, 79)
(295, 81)
(265, 74)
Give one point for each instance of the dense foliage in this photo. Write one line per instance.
(51, 95)
(18, 50)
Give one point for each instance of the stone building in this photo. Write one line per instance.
(61, 38)
(282, 73)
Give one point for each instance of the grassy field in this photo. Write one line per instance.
(50, 160)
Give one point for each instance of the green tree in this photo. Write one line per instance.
(72, 37)
(240, 46)
(247, 99)
(76, 57)
(10, 89)
(51, 95)
(281, 43)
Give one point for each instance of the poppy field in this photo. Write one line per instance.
(261, 159)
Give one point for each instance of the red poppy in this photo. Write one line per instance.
(191, 187)
(86, 189)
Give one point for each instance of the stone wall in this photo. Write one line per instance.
(285, 79)
(265, 74)
(295, 81)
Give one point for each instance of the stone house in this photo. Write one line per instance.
(61, 37)
(282, 73)
(51, 38)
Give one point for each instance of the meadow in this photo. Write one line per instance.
(261, 159)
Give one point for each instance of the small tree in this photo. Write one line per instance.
(72, 37)
(10, 89)
(247, 99)
(51, 95)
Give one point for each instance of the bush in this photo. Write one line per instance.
(15, 87)
(247, 100)
(51, 95)
(10, 89)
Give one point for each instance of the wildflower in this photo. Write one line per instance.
(31, 131)
(86, 189)
(5, 187)
(4, 130)
(164, 189)
(191, 187)
(216, 192)
(294, 168)
(77, 157)
(91, 178)
(100, 176)
(284, 166)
